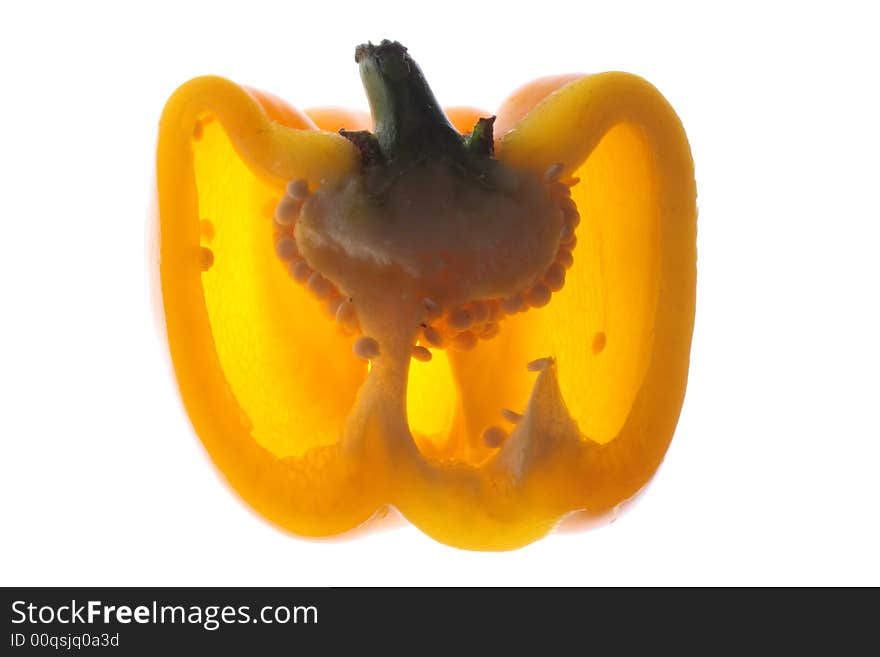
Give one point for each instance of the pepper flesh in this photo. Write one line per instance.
(315, 440)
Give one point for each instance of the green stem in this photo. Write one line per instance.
(409, 123)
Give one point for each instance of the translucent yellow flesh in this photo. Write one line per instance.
(610, 291)
(279, 351)
(431, 403)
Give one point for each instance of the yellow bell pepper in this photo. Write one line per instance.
(484, 326)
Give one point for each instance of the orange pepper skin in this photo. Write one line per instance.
(318, 442)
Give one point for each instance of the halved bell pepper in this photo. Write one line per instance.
(483, 322)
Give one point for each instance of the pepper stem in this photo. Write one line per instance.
(409, 123)
(481, 141)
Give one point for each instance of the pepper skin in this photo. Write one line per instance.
(339, 350)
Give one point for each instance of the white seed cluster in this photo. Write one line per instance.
(460, 327)
(284, 217)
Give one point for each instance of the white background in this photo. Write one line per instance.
(772, 477)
